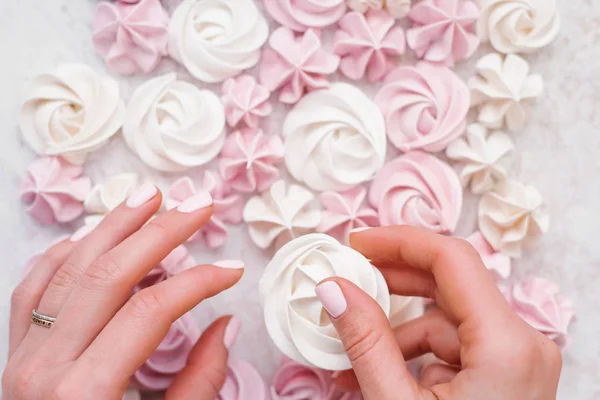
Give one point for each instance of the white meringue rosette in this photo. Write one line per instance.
(503, 90)
(518, 26)
(294, 316)
(217, 39)
(483, 157)
(334, 138)
(512, 216)
(173, 126)
(107, 195)
(71, 112)
(280, 214)
(396, 8)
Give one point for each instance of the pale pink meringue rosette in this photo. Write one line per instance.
(249, 159)
(245, 100)
(301, 15)
(540, 304)
(131, 38)
(176, 262)
(345, 211)
(365, 43)
(497, 263)
(243, 382)
(228, 207)
(295, 64)
(54, 190)
(170, 357)
(425, 107)
(443, 31)
(418, 189)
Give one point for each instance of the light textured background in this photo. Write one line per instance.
(557, 152)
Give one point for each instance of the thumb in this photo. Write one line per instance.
(368, 340)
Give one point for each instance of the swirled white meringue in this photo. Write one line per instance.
(217, 39)
(334, 138)
(106, 196)
(172, 125)
(71, 112)
(295, 318)
(515, 26)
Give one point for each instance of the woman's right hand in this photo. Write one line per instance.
(489, 352)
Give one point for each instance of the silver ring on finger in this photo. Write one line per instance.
(41, 319)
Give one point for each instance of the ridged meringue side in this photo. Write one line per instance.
(304, 14)
(243, 382)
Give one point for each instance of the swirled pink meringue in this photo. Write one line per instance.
(345, 211)
(249, 159)
(295, 64)
(443, 31)
(170, 356)
(301, 15)
(418, 189)
(365, 42)
(243, 382)
(499, 264)
(228, 207)
(176, 262)
(540, 304)
(54, 190)
(245, 100)
(131, 38)
(425, 107)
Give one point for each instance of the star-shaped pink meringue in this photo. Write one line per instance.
(365, 42)
(443, 31)
(131, 37)
(228, 207)
(54, 190)
(248, 160)
(245, 100)
(345, 211)
(295, 63)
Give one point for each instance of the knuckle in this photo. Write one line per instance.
(159, 228)
(20, 295)
(361, 342)
(66, 276)
(145, 304)
(21, 384)
(104, 272)
(213, 379)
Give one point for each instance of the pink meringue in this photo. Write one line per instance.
(248, 160)
(499, 264)
(443, 31)
(295, 64)
(177, 261)
(131, 37)
(243, 382)
(345, 211)
(365, 42)
(54, 190)
(170, 357)
(227, 207)
(425, 107)
(245, 99)
(301, 15)
(540, 304)
(418, 189)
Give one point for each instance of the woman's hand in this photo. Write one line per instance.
(102, 335)
(489, 352)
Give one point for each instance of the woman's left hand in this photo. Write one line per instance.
(102, 334)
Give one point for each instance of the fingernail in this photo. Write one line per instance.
(231, 264)
(231, 332)
(331, 296)
(200, 200)
(82, 232)
(144, 193)
(356, 230)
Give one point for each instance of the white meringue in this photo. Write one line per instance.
(404, 308)
(483, 158)
(217, 39)
(515, 26)
(280, 214)
(512, 216)
(396, 8)
(71, 112)
(295, 318)
(334, 138)
(172, 125)
(503, 90)
(106, 196)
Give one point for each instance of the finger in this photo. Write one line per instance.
(139, 327)
(347, 381)
(436, 374)
(409, 282)
(107, 284)
(368, 340)
(463, 282)
(206, 369)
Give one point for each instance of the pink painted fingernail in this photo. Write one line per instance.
(232, 331)
(331, 296)
(82, 232)
(357, 230)
(144, 193)
(231, 264)
(200, 200)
